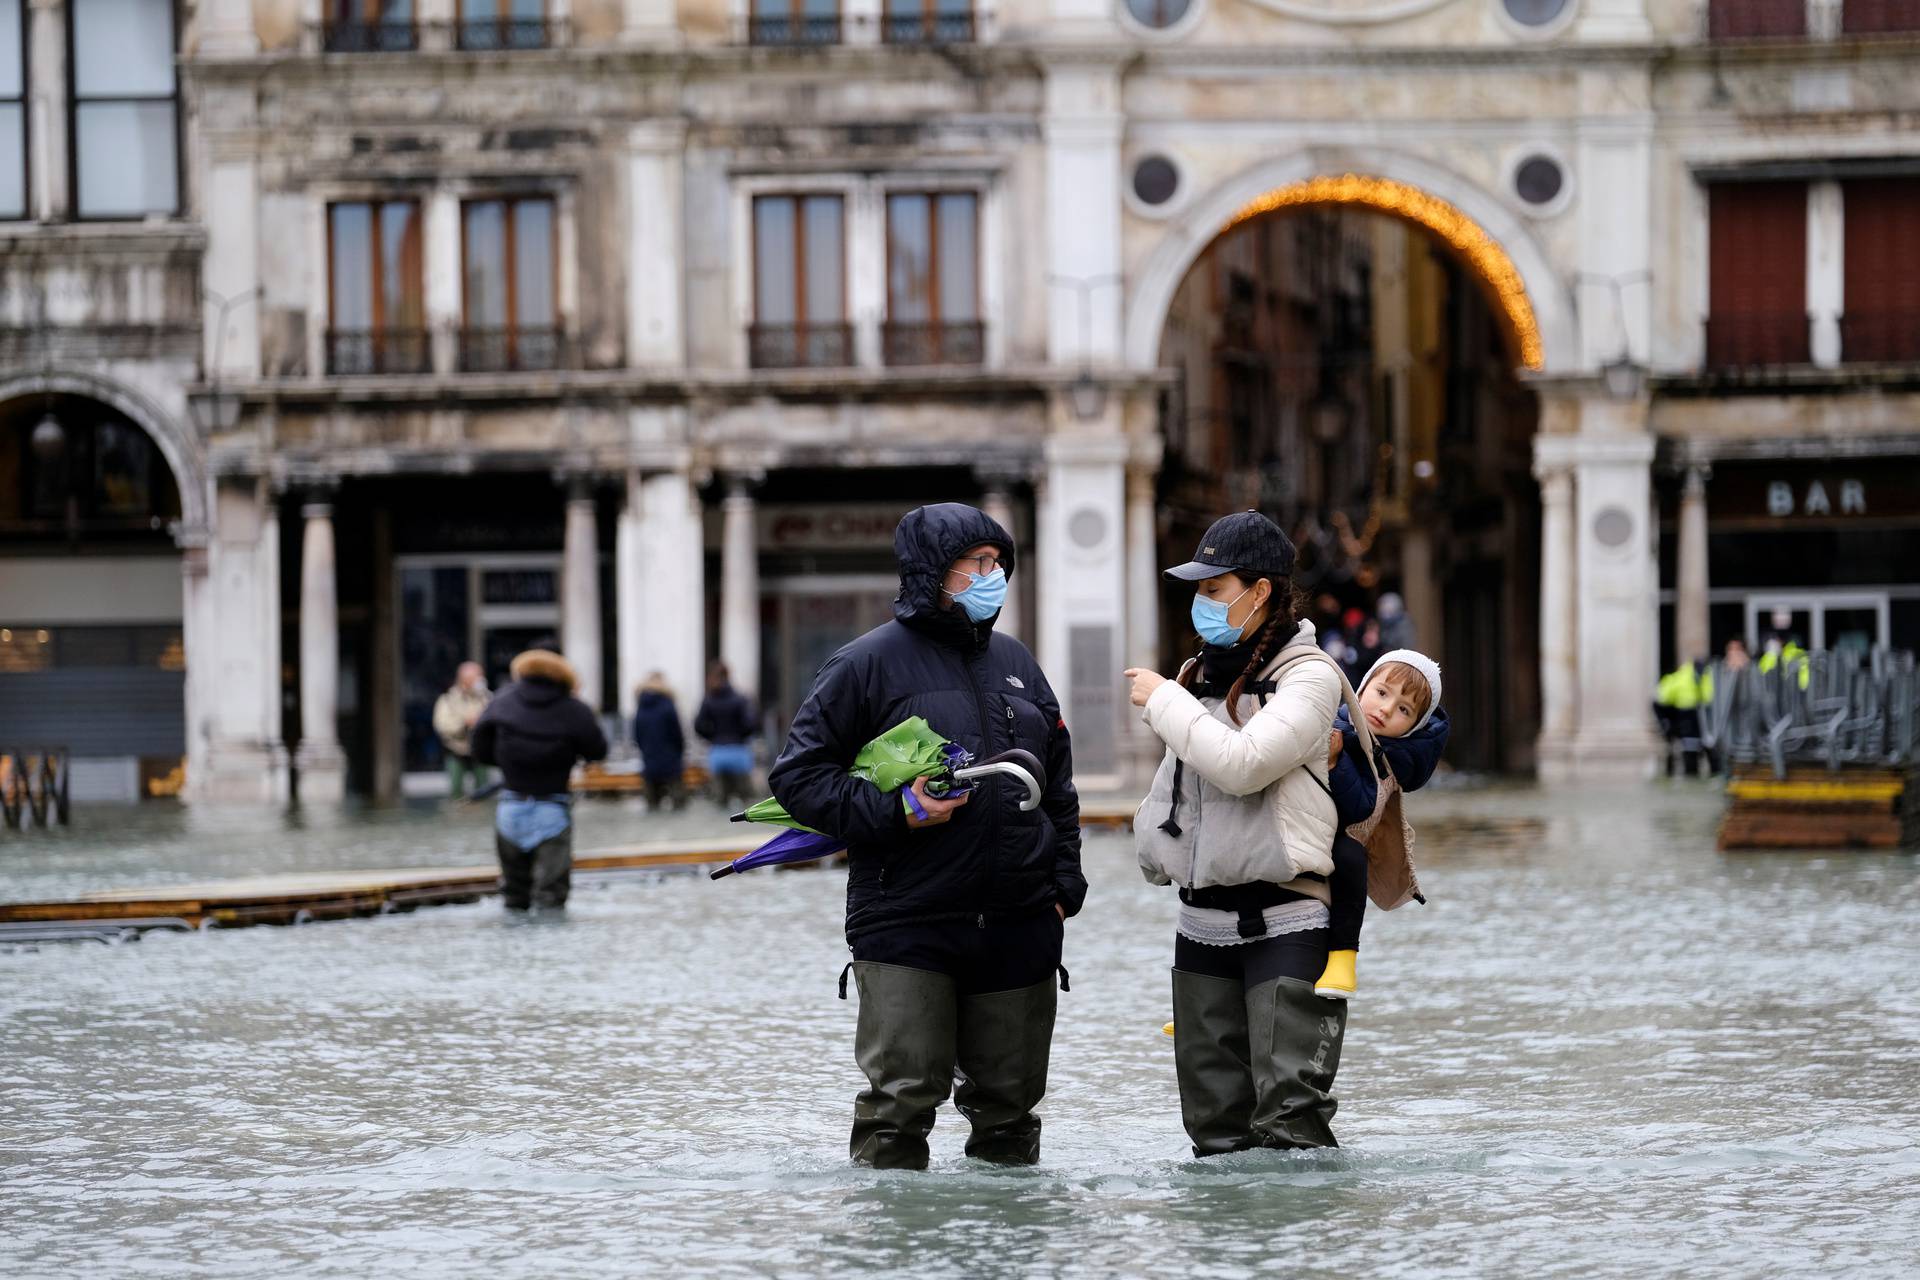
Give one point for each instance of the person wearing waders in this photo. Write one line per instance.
(956, 919)
(534, 731)
(1240, 818)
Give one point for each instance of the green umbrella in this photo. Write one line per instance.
(909, 750)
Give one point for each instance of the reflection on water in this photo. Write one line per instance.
(1603, 1049)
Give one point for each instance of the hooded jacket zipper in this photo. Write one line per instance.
(973, 665)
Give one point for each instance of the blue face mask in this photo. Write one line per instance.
(984, 596)
(1210, 620)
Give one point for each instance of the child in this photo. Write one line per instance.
(1400, 698)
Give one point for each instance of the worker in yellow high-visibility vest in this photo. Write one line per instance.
(1785, 654)
(1676, 706)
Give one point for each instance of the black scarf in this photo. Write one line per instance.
(1219, 668)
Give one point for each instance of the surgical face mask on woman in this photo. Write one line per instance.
(1210, 620)
(984, 595)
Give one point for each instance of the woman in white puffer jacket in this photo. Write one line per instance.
(1240, 818)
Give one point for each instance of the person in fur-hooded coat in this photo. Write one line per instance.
(535, 731)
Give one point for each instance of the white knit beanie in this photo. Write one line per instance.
(1420, 662)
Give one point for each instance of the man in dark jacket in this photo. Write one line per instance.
(955, 919)
(727, 722)
(535, 731)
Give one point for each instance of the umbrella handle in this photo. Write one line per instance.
(1018, 765)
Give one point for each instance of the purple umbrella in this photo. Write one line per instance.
(806, 846)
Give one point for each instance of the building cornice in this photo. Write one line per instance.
(627, 386)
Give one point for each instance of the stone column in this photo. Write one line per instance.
(1613, 154)
(1420, 590)
(1558, 591)
(444, 287)
(1826, 270)
(1143, 569)
(998, 504)
(1082, 619)
(580, 592)
(233, 653)
(740, 587)
(656, 332)
(48, 115)
(322, 769)
(662, 585)
(230, 310)
(1083, 126)
(196, 637)
(627, 671)
(383, 680)
(1617, 601)
(1690, 627)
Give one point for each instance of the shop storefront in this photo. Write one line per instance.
(1824, 550)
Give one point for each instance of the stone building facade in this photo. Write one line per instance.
(632, 325)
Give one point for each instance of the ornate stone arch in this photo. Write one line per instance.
(174, 440)
(1490, 237)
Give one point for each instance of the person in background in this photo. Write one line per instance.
(728, 724)
(1396, 627)
(662, 743)
(1782, 648)
(535, 731)
(1676, 708)
(454, 715)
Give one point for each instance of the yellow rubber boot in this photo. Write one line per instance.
(1167, 1030)
(1338, 982)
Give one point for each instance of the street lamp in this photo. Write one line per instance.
(49, 438)
(1623, 377)
(1087, 396)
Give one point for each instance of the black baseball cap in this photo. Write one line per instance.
(1246, 543)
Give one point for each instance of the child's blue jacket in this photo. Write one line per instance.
(1412, 759)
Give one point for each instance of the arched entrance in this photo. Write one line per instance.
(92, 624)
(1347, 349)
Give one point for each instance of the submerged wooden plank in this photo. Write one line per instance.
(280, 898)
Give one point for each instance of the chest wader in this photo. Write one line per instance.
(1255, 1064)
(915, 1032)
(540, 875)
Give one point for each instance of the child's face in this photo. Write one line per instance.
(1388, 705)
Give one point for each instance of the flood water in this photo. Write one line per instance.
(1603, 1050)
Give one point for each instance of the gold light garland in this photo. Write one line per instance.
(1461, 233)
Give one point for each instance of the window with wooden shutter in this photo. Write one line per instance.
(1880, 318)
(1757, 274)
(376, 302)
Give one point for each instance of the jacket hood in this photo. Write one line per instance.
(926, 543)
(650, 698)
(545, 665)
(1415, 755)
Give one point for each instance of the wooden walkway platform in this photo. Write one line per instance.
(1856, 807)
(300, 897)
